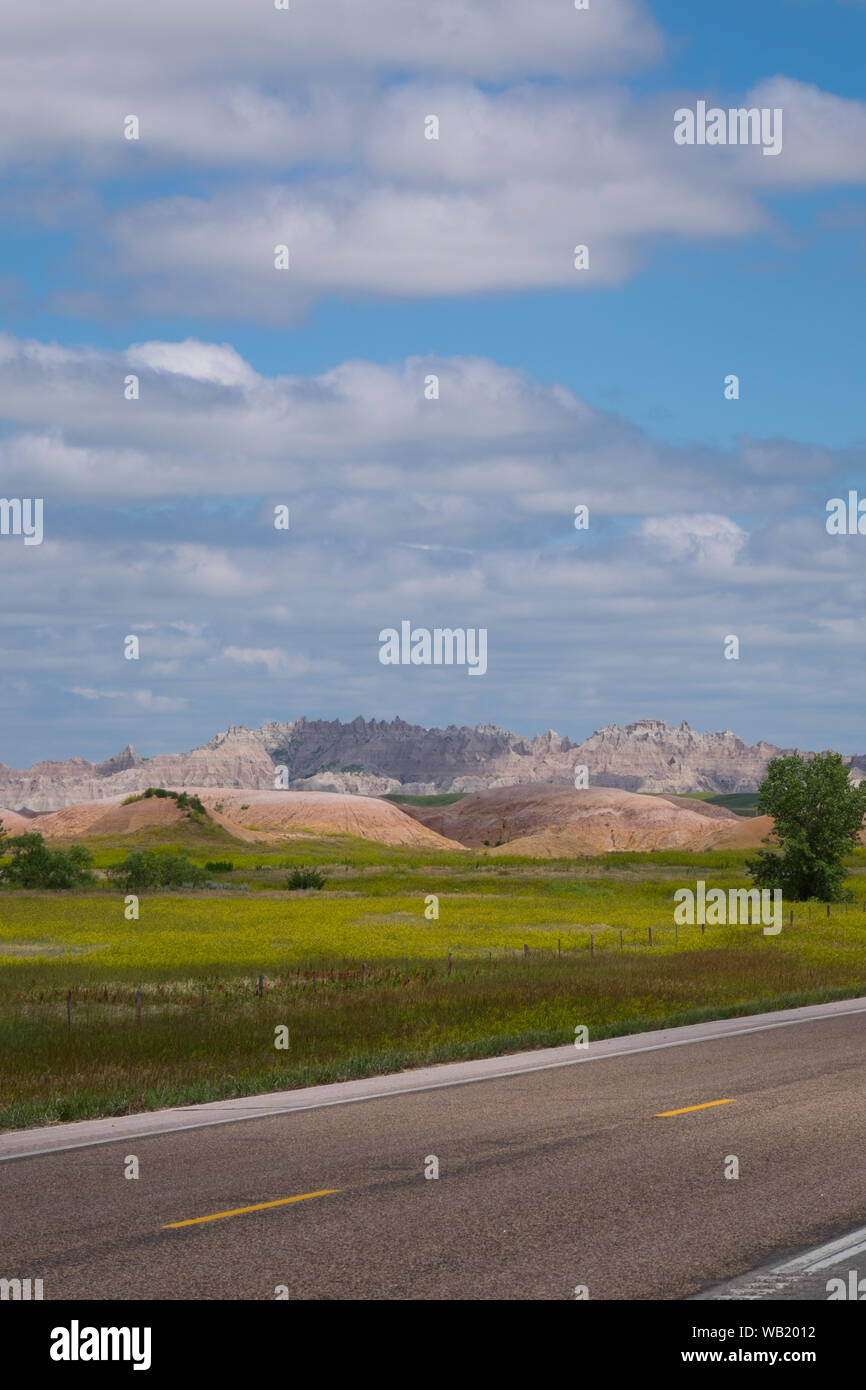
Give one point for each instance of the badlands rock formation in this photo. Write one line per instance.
(271, 816)
(258, 817)
(372, 757)
(546, 820)
(233, 759)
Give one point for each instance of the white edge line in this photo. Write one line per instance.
(823, 1255)
(848, 1253)
(792, 1271)
(432, 1086)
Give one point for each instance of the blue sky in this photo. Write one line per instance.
(408, 257)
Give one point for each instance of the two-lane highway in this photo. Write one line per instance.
(610, 1169)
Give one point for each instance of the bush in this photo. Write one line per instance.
(149, 868)
(220, 866)
(34, 865)
(179, 872)
(184, 800)
(137, 871)
(305, 878)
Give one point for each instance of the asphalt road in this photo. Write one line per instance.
(567, 1173)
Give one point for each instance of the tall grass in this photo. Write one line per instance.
(362, 978)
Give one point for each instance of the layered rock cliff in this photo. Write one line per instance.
(372, 757)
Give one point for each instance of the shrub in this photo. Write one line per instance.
(184, 800)
(220, 866)
(34, 865)
(149, 868)
(305, 878)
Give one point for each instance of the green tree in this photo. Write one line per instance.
(138, 871)
(818, 817)
(176, 871)
(34, 865)
(147, 868)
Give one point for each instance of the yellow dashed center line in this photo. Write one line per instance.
(260, 1206)
(686, 1108)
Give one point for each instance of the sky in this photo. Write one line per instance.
(168, 378)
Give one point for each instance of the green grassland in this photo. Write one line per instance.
(434, 799)
(360, 975)
(742, 803)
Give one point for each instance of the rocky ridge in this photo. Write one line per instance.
(374, 757)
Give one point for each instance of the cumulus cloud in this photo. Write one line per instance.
(197, 361)
(321, 130)
(456, 512)
(358, 448)
(515, 182)
(302, 83)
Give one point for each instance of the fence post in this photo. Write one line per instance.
(202, 996)
(69, 1011)
(650, 936)
(261, 986)
(559, 946)
(703, 928)
(449, 962)
(138, 1006)
(791, 922)
(525, 950)
(828, 909)
(592, 943)
(364, 973)
(620, 938)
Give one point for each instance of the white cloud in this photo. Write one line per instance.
(714, 540)
(519, 176)
(141, 699)
(275, 661)
(400, 508)
(197, 361)
(517, 179)
(357, 447)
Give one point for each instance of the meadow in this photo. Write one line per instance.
(101, 1015)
